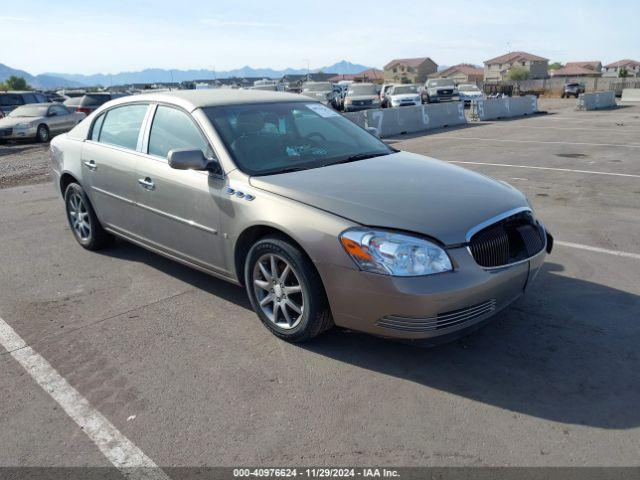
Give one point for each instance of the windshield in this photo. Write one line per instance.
(468, 88)
(404, 89)
(317, 87)
(272, 138)
(362, 89)
(440, 82)
(29, 111)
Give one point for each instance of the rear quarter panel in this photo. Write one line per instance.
(65, 157)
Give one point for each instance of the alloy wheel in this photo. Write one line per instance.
(79, 216)
(278, 291)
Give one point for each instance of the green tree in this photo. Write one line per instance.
(623, 73)
(16, 83)
(518, 73)
(3, 86)
(555, 66)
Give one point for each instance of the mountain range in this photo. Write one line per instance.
(151, 75)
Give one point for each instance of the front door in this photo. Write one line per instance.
(178, 210)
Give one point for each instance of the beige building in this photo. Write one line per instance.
(497, 69)
(463, 73)
(579, 69)
(409, 70)
(613, 69)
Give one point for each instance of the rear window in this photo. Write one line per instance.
(95, 100)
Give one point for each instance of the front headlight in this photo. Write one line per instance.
(24, 125)
(394, 253)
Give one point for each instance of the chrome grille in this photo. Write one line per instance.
(511, 240)
(441, 321)
(6, 132)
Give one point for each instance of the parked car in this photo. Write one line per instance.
(361, 96)
(439, 90)
(572, 90)
(321, 91)
(13, 99)
(90, 101)
(469, 92)
(384, 101)
(39, 121)
(309, 212)
(54, 97)
(403, 96)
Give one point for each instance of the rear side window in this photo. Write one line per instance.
(97, 125)
(172, 128)
(41, 98)
(10, 100)
(30, 98)
(121, 126)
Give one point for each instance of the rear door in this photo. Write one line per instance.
(59, 119)
(109, 159)
(179, 210)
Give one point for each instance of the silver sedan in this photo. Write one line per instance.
(39, 121)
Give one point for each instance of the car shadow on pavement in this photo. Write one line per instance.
(567, 352)
(232, 293)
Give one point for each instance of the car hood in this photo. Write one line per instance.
(322, 95)
(403, 191)
(13, 121)
(470, 94)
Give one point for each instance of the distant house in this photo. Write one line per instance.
(613, 69)
(497, 69)
(579, 69)
(409, 70)
(371, 75)
(463, 73)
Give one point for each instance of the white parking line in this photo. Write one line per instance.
(579, 246)
(451, 137)
(118, 449)
(547, 168)
(616, 131)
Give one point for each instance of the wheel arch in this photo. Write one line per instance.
(65, 179)
(251, 235)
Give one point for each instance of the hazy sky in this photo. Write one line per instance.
(91, 36)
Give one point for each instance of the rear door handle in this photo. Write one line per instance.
(91, 165)
(147, 183)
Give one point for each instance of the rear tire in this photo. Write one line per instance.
(292, 302)
(83, 221)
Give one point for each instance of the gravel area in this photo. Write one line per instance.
(23, 164)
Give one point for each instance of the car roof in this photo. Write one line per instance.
(16, 92)
(191, 100)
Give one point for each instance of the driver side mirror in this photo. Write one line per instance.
(191, 159)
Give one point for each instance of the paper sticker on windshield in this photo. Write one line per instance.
(321, 110)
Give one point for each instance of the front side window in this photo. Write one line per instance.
(272, 138)
(173, 128)
(121, 126)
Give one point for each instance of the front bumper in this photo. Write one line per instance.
(14, 133)
(429, 306)
(357, 108)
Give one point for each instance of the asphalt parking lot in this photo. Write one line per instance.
(180, 365)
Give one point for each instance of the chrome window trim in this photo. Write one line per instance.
(495, 219)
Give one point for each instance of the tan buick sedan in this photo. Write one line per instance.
(319, 220)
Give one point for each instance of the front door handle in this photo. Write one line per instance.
(91, 165)
(147, 183)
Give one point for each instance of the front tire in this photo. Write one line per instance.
(42, 134)
(83, 221)
(286, 291)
